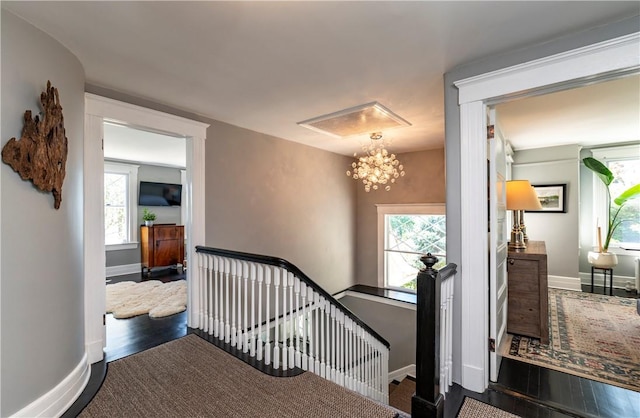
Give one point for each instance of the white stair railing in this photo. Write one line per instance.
(268, 308)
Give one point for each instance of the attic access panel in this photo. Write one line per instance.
(363, 119)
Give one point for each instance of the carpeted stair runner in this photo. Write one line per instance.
(472, 408)
(191, 377)
(400, 395)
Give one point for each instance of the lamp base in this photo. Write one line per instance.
(517, 241)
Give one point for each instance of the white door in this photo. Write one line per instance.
(497, 243)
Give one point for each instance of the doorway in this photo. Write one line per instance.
(99, 110)
(475, 94)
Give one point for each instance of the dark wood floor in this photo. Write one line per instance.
(522, 389)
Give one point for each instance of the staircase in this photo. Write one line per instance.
(267, 312)
(271, 312)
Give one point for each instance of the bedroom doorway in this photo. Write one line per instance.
(99, 110)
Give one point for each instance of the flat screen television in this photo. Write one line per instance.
(159, 194)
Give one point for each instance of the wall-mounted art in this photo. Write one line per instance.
(41, 153)
(552, 197)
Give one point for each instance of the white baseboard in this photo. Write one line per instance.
(403, 372)
(124, 269)
(566, 283)
(95, 352)
(619, 282)
(55, 402)
(473, 378)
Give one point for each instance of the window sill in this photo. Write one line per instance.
(123, 246)
(625, 251)
(399, 298)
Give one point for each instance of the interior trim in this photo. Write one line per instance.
(566, 283)
(402, 372)
(124, 269)
(55, 402)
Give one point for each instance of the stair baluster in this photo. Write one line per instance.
(300, 326)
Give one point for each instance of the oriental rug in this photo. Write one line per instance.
(128, 299)
(590, 335)
(191, 377)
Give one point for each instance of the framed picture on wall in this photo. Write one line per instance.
(552, 197)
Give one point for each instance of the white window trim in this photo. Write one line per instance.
(400, 209)
(625, 152)
(132, 171)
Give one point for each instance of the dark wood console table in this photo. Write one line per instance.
(528, 302)
(161, 245)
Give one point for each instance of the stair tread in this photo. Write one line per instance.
(401, 396)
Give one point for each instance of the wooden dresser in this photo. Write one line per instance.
(161, 245)
(528, 307)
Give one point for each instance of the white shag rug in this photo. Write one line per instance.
(127, 299)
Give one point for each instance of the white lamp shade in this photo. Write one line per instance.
(522, 196)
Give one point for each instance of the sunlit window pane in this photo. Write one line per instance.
(626, 174)
(407, 238)
(115, 210)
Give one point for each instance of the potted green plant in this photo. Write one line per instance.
(602, 257)
(148, 217)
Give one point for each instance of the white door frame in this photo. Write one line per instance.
(475, 93)
(97, 110)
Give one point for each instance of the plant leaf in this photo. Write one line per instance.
(600, 169)
(630, 193)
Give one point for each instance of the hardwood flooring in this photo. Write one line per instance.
(573, 395)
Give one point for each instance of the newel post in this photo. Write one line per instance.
(427, 401)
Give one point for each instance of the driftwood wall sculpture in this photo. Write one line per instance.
(41, 153)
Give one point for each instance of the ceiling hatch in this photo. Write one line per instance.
(363, 119)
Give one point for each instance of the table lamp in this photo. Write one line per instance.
(521, 196)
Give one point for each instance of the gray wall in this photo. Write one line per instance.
(275, 197)
(452, 132)
(42, 328)
(165, 215)
(395, 324)
(559, 231)
(423, 183)
(270, 196)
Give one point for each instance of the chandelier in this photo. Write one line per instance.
(376, 167)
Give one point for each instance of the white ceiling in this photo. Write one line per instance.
(598, 114)
(130, 144)
(267, 65)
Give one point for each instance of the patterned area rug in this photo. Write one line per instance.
(590, 335)
(472, 408)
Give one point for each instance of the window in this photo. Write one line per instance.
(406, 233)
(120, 206)
(624, 163)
